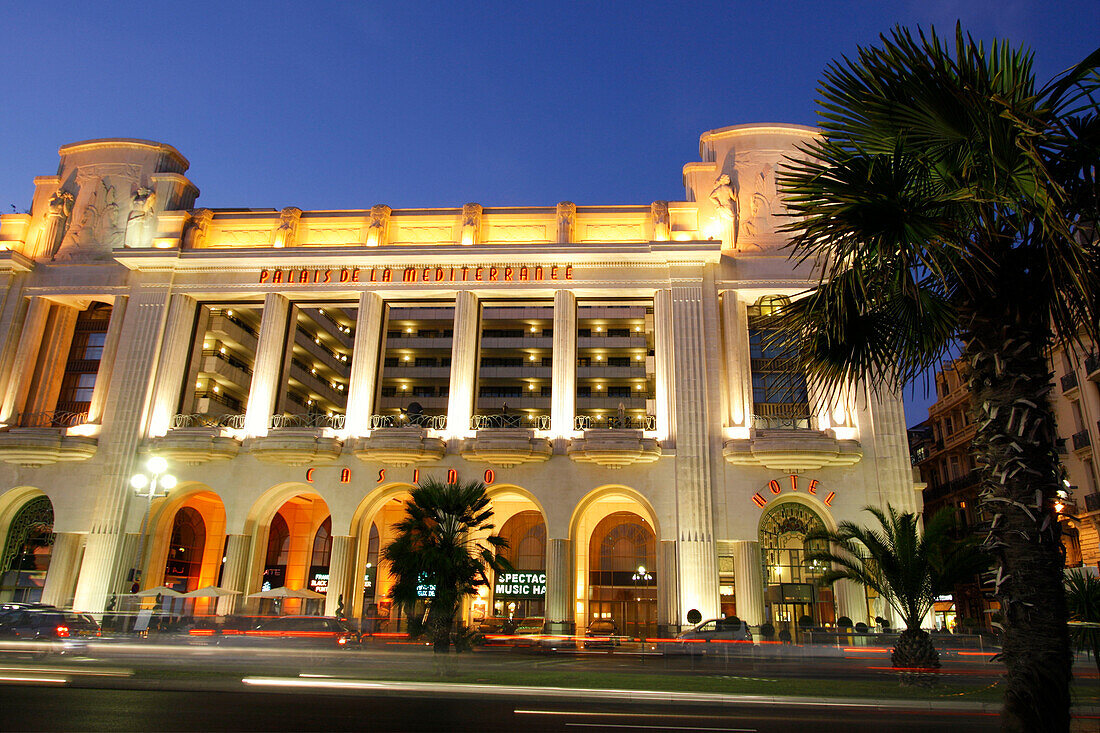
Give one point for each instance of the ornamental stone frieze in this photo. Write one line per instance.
(35, 447)
(295, 446)
(614, 448)
(792, 450)
(399, 446)
(506, 447)
(196, 445)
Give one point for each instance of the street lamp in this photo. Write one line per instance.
(149, 486)
(642, 576)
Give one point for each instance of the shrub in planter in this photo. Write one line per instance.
(861, 627)
(805, 622)
(785, 636)
(694, 616)
(844, 622)
(767, 630)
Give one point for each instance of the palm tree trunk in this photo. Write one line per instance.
(1006, 346)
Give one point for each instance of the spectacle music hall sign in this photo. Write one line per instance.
(521, 586)
(492, 274)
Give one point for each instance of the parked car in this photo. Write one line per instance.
(715, 629)
(601, 634)
(309, 631)
(61, 632)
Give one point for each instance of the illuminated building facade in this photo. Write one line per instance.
(602, 368)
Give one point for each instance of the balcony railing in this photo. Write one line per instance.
(519, 420)
(314, 420)
(1069, 381)
(1092, 364)
(432, 422)
(625, 422)
(1081, 440)
(782, 416)
(197, 420)
(51, 419)
(1092, 502)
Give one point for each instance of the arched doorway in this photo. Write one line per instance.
(27, 550)
(792, 593)
(378, 612)
(187, 547)
(296, 552)
(622, 578)
(521, 594)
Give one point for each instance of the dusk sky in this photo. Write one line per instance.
(345, 105)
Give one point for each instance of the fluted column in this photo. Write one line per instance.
(891, 452)
(266, 372)
(235, 572)
(748, 582)
(559, 587)
(365, 355)
(563, 387)
(107, 360)
(52, 356)
(61, 576)
(851, 601)
(668, 596)
(736, 360)
(464, 350)
(172, 365)
(339, 576)
(662, 353)
(26, 356)
(13, 311)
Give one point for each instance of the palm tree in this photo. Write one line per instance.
(944, 203)
(908, 569)
(1083, 600)
(436, 555)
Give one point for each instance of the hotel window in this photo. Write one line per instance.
(513, 369)
(779, 395)
(316, 370)
(615, 371)
(82, 364)
(219, 374)
(415, 376)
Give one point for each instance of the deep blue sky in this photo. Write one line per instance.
(344, 105)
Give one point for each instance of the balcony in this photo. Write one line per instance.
(396, 444)
(232, 331)
(195, 439)
(612, 342)
(535, 371)
(622, 422)
(1081, 441)
(967, 484)
(612, 372)
(614, 448)
(404, 370)
(45, 438)
(1069, 385)
(517, 342)
(1092, 367)
(1092, 502)
(792, 450)
(295, 440)
(505, 446)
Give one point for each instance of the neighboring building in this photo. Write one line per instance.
(602, 368)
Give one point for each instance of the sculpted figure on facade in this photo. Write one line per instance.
(471, 223)
(727, 206)
(58, 212)
(662, 227)
(195, 234)
(286, 234)
(567, 221)
(142, 217)
(100, 229)
(378, 226)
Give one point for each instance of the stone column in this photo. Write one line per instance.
(563, 389)
(748, 582)
(107, 361)
(851, 601)
(235, 572)
(26, 356)
(61, 576)
(339, 572)
(464, 351)
(891, 452)
(173, 363)
(698, 561)
(559, 587)
(736, 362)
(13, 311)
(662, 351)
(123, 415)
(57, 340)
(266, 372)
(365, 356)
(668, 596)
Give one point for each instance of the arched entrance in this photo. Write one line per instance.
(26, 554)
(622, 560)
(377, 612)
(188, 547)
(520, 596)
(296, 552)
(791, 590)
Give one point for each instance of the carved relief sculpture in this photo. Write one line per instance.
(142, 219)
(658, 214)
(99, 230)
(58, 212)
(286, 234)
(567, 221)
(194, 236)
(727, 207)
(471, 223)
(378, 227)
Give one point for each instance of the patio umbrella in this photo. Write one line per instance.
(284, 592)
(211, 591)
(160, 590)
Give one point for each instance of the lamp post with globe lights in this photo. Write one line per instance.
(641, 576)
(149, 486)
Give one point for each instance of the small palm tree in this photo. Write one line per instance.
(1083, 601)
(906, 567)
(436, 556)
